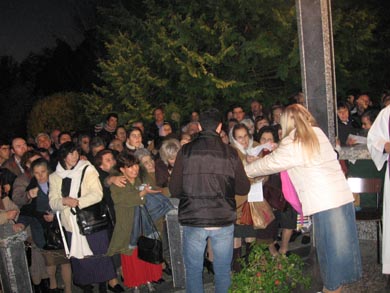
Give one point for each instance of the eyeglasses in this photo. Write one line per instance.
(242, 137)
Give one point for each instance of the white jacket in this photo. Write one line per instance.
(319, 182)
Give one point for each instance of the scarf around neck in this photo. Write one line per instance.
(79, 246)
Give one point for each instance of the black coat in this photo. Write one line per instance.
(206, 177)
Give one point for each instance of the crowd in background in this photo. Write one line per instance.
(110, 164)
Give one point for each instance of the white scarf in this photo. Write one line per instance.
(79, 247)
(237, 145)
(131, 147)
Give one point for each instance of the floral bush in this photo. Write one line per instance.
(265, 273)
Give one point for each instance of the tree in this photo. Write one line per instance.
(196, 54)
(61, 110)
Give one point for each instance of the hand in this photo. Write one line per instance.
(48, 217)
(33, 192)
(6, 188)
(350, 142)
(147, 189)
(251, 159)
(70, 202)
(119, 181)
(387, 147)
(12, 214)
(18, 227)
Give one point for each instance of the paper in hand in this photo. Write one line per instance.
(359, 139)
(257, 150)
(256, 192)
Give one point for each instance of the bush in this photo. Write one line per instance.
(265, 273)
(61, 110)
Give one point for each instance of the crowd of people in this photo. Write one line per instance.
(208, 166)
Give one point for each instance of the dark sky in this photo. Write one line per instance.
(30, 25)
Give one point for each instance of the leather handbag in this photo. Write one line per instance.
(53, 237)
(149, 246)
(273, 194)
(90, 219)
(262, 214)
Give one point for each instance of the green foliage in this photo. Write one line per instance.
(61, 110)
(195, 54)
(265, 273)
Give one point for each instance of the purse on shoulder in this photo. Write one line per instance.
(149, 246)
(90, 219)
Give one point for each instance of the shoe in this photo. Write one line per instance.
(294, 235)
(159, 281)
(167, 270)
(117, 288)
(55, 290)
(102, 287)
(86, 288)
(150, 287)
(208, 265)
(305, 239)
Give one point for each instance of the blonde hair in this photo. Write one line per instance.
(298, 118)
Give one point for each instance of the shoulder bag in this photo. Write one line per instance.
(53, 236)
(149, 246)
(90, 219)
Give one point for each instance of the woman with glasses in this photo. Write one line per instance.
(243, 141)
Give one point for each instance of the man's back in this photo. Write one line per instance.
(207, 175)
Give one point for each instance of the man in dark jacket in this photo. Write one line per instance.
(206, 177)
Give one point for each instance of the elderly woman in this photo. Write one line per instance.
(307, 155)
(39, 209)
(242, 141)
(135, 272)
(74, 177)
(164, 166)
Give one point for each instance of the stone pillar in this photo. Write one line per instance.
(317, 61)
(14, 272)
(175, 238)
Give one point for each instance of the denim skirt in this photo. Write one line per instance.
(337, 246)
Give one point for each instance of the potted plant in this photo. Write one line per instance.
(266, 273)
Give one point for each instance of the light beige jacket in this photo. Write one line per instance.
(319, 182)
(91, 193)
(8, 205)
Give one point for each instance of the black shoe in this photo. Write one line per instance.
(117, 288)
(44, 285)
(305, 239)
(37, 289)
(294, 235)
(102, 287)
(167, 269)
(208, 265)
(86, 288)
(159, 281)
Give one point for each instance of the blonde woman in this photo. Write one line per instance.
(307, 155)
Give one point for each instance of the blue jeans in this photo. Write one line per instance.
(194, 244)
(337, 246)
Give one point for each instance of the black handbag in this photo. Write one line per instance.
(53, 236)
(90, 219)
(149, 249)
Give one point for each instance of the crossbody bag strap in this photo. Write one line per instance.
(74, 211)
(150, 220)
(81, 181)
